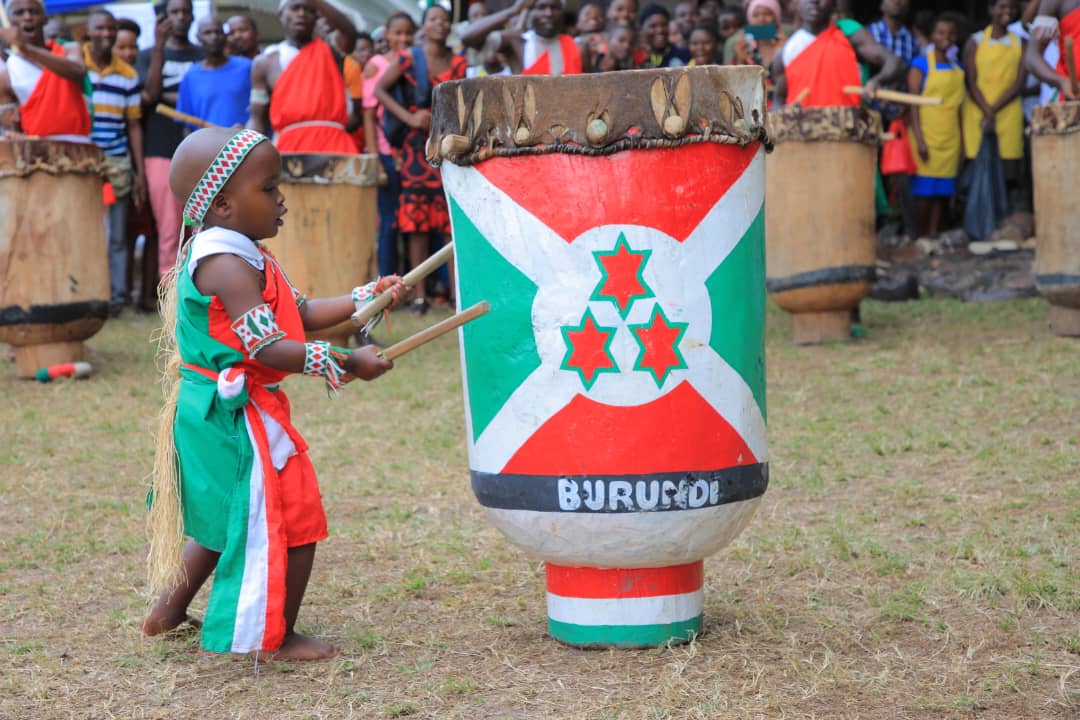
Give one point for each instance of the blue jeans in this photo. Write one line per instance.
(387, 201)
(117, 232)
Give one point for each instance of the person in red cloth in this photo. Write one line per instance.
(818, 61)
(44, 79)
(1060, 19)
(543, 50)
(298, 86)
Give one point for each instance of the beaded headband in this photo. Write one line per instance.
(219, 172)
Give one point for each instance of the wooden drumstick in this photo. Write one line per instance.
(801, 96)
(437, 330)
(895, 96)
(1070, 65)
(175, 114)
(411, 279)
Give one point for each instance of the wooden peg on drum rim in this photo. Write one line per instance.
(171, 112)
(895, 96)
(411, 279)
(437, 330)
(453, 145)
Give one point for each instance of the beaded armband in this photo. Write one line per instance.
(325, 361)
(257, 329)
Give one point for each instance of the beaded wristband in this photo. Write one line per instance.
(323, 360)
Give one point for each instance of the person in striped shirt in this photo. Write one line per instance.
(117, 131)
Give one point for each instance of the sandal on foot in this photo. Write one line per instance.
(419, 306)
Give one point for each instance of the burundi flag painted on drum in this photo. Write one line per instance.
(615, 394)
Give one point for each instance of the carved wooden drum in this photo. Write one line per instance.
(54, 273)
(1055, 152)
(615, 394)
(327, 242)
(819, 216)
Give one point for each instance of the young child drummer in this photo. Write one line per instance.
(231, 472)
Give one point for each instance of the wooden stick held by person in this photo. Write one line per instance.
(818, 56)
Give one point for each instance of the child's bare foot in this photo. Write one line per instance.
(301, 647)
(158, 622)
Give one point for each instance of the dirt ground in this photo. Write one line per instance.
(915, 556)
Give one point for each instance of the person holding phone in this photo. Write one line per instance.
(762, 38)
(161, 69)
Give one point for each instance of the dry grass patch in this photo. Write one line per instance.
(915, 556)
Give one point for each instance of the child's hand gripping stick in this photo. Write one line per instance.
(415, 276)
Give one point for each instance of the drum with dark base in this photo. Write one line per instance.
(615, 394)
(1055, 157)
(819, 216)
(328, 240)
(54, 273)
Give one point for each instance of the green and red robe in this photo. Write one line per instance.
(248, 489)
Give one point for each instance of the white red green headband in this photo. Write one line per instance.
(219, 172)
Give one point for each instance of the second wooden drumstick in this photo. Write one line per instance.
(1070, 66)
(175, 114)
(895, 96)
(437, 330)
(411, 279)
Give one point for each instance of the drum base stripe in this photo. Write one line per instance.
(625, 636)
(825, 276)
(579, 582)
(655, 610)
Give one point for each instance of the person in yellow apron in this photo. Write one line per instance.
(935, 129)
(995, 79)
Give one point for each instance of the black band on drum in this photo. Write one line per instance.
(1057, 280)
(55, 313)
(650, 492)
(825, 276)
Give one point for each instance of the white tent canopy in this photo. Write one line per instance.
(365, 14)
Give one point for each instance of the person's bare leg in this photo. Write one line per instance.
(419, 249)
(922, 213)
(170, 610)
(296, 646)
(934, 223)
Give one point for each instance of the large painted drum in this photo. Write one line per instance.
(819, 216)
(615, 394)
(328, 240)
(54, 273)
(1055, 152)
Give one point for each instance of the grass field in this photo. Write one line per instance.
(917, 554)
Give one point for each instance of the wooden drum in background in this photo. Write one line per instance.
(819, 216)
(54, 272)
(615, 394)
(327, 243)
(1055, 154)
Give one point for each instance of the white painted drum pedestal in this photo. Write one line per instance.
(615, 394)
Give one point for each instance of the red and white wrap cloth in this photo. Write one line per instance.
(246, 609)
